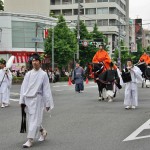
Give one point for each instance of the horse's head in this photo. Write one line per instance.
(94, 69)
(98, 68)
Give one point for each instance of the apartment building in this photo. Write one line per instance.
(146, 38)
(111, 16)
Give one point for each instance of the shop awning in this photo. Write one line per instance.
(21, 58)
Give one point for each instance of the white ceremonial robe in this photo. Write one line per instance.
(5, 86)
(35, 94)
(131, 90)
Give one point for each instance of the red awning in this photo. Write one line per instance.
(21, 58)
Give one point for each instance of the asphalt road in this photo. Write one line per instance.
(80, 122)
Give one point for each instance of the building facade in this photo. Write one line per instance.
(22, 27)
(22, 34)
(37, 7)
(146, 38)
(111, 16)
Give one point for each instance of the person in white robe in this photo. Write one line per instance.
(36, 95)
(5, 84)
(131, 88)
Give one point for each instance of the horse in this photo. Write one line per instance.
(145, 69)
(97, 71)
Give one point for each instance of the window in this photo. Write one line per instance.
(112, 10)
(112, 0)
(102, 0)
(55, 2)
(66, 2)
(75, 11)
(90, 11)
(67, 12)
(102, 10)
(22, 34)
(55, 12)
(90, 23)
(102, 22)
(112, 22)
(90, 1)
(76, 1)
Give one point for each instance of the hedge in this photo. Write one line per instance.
(18, 80)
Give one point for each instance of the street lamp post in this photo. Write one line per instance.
(0, 34)
(78, 29)
(53, 48)
(36, 33)
(119, 46)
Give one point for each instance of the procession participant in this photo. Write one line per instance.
(77, 76)
(148, 60)
(35, 94)
(102, 56)
(144, 58)
(131, 91)
(5, 84)
(112, 79)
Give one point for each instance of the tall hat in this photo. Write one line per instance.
(2, 61)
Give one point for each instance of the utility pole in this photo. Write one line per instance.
(78, 30)
(53, 48)
(0, 34)
(36, 34)
(119, 46)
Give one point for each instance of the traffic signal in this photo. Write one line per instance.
(92, 43)
(99, 40)
(80, 42)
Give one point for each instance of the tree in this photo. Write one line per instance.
(86, 53)
(126, 53)
(64, 43)
(1, 5)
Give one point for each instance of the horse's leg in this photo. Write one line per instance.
(104, 94)
(99, 90)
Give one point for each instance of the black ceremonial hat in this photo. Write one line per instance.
(2, 61)
(35, 56)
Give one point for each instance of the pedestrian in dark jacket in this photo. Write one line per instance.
(77, 76)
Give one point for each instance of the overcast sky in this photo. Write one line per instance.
(140, 9)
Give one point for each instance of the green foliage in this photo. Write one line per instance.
(86, 53)
(63, 79)
(65, 43)
(125, 54)
(1, 5)
(17, 80)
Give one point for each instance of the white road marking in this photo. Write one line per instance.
(15, 100)
(134, 135)
(62, 85)
(15, 93)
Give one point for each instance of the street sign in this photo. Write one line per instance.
(37, 39)
(85, 43)
(133, 47)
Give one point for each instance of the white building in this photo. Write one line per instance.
(146, 38)
(22, 26)
(22, 34)
(37, 7)
(110, 16)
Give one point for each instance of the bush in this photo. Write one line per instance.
(63, 79)
(17, 80)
